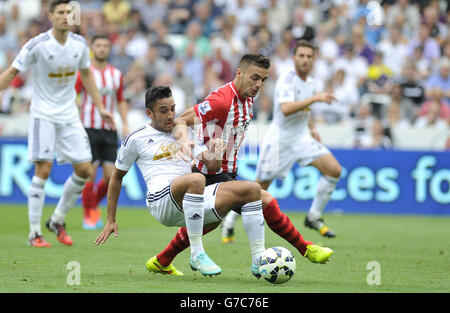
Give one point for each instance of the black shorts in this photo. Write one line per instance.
(104, 145)
(217, 178)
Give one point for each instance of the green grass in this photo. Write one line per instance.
(413, 253)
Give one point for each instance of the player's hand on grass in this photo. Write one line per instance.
(110, 227)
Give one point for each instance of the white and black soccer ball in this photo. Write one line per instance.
(277, 265)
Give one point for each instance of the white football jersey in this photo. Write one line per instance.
(54, 71)
(291, 88)
(154, 153)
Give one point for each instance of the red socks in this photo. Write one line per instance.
(92, 195)
(177, 245)
(279, 223)
(88, 198)
(102, 189)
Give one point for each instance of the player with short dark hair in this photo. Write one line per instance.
(103, 139)
(225, 114)
(55, 56)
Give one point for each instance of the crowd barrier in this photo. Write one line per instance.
(372, 181)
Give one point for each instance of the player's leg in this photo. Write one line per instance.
(330, 169)
(108, 155)
(279, 223)
(187, 191)
(88, 196)
(266, 166)
(245, 196)
(264, 184)
(72, 146)
(71, 192)
(36, 200)
(228, 227)
(230, 195)
(41, 143)
(230, 220)
(101, 189)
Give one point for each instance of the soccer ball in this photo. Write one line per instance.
(277, 265)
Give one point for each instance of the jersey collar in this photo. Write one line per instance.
(237, 93)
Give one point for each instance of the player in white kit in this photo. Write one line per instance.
(292, 137)
(178, 197)
(55, 57)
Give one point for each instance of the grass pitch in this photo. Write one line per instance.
(413, 254)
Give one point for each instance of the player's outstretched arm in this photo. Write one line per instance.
(115, 185)
(292, 107)
(7, 76)
(91, 88)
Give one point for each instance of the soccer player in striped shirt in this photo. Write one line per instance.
(225, 114)
(55, 56)
(103, 139)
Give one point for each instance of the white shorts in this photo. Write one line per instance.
(68, 142)
(276, 158)
(163, 207)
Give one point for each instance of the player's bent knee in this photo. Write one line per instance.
(249, 191)
(83, 170)
(197, 183)
(43, 169)
(336, 171)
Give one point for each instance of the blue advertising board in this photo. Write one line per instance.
(372, 181)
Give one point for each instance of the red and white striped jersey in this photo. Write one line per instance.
(109, 83)
(224, 114)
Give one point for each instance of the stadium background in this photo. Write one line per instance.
(387, 63)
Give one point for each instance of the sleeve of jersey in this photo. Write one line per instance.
(285, 91)
(212, 108)
(85, 61)
(24, 59)
(126, 156)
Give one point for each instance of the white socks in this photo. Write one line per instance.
(230, 220)
(194, 216)
(36, 198)
(325, 188)
(71, 192)
(253, 221)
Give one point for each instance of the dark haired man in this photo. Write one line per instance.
(225, 114)
(176, 196)
(103, 139)
(55, 56)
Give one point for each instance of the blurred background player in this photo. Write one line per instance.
(288, 140)
(178, 197)
(103, 139)
(55, 56)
